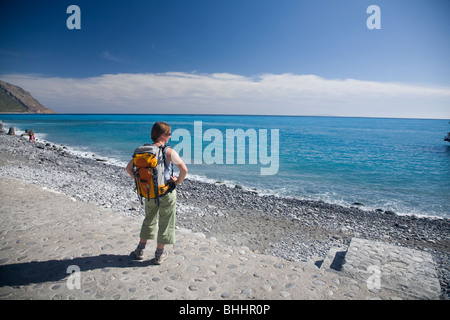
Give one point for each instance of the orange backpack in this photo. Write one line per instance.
(149, 166)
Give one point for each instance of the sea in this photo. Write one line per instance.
(401, 165)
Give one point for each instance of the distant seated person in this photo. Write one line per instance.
(29, 133)
(32, 137)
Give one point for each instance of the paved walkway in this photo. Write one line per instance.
(45, 236)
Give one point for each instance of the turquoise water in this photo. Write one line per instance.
(401, 165)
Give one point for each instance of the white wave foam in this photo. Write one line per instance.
(328, 197)
(81, 152)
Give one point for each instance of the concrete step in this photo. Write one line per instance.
(385, 266)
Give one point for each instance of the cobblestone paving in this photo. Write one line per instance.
(52, 247)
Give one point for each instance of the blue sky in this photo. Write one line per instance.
(265, 45)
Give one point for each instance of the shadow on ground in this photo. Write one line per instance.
(19, 274)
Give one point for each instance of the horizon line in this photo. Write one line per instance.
(220, 115)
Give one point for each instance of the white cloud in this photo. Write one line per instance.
(223, 93)
(109, 56)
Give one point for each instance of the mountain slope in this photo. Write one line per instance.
(15, 99)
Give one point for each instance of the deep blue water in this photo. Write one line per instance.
(401, 165)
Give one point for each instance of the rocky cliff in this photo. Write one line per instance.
(14, 99)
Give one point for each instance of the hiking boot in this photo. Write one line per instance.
(160, 257)
(139, 254)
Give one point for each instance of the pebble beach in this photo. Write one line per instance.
(286, 228)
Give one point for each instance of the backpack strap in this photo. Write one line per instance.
(164, 151)
(138, 186)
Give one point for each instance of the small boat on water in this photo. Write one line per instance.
(447, 138)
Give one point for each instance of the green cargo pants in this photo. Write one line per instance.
(159, 222)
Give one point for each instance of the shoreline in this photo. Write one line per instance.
(394, 207)
(288, 228)
(85, 154)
